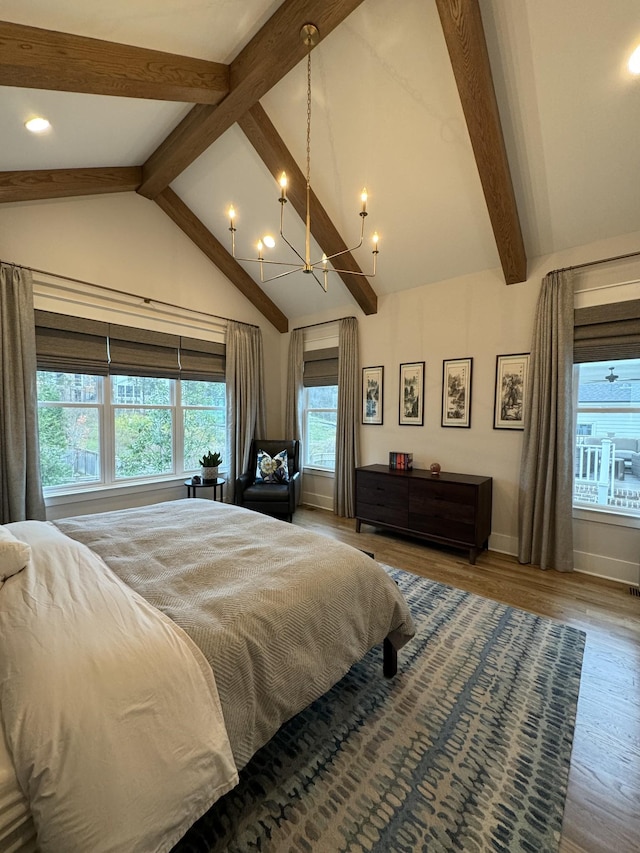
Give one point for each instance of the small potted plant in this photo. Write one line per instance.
(210, 462)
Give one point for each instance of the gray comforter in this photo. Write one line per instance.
(280, 613)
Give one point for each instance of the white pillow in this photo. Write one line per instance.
(14, 554)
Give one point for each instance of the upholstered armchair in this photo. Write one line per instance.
(269, 485)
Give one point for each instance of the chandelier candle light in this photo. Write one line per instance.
(310, 36)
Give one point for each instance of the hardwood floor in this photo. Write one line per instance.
(602, 812)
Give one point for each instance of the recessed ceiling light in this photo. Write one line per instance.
(634, 61)
(269, 241)
(37, 124)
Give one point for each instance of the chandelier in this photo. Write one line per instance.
(310, 36)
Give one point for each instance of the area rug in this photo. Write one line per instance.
(467, 748)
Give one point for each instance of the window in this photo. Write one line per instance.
(69, 424)
(204, 420)
(320, 401)
(607, 435)
(119, 404)
(320, 418)
(108, 429)
(143, 426)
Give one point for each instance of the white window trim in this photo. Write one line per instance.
(601, 515)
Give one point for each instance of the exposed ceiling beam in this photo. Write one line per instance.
(44, 59)
(261, 133)
(185, 219)
(62, 183)
(270, 54)
(467, 46)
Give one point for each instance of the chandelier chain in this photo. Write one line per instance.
(309, 117)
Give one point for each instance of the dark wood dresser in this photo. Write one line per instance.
(453, 509)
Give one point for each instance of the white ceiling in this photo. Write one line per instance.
(386, 115)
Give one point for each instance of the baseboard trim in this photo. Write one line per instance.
(596, 565)
(606, 567)
(317, 501)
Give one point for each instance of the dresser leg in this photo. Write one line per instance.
(357, 525)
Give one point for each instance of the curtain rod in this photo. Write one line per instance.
(324, 323)
(600, 261)
(146, 299)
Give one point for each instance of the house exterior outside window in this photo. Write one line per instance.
(607, 436)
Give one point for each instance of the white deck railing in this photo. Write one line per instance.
(595, 466)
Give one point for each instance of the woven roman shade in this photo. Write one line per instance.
(75, 345)
(603, 332)
(141, 352)
(202, 360)
(320, 367)
(71, 344)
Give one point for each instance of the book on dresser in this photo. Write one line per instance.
(451, 509)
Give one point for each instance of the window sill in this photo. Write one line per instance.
(99, 491)
(604, 516)
(319, 472)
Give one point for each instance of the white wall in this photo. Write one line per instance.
(126, 242)
(477, 316)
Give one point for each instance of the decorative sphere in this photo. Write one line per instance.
(434, 468)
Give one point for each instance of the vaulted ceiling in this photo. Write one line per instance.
(486, 131)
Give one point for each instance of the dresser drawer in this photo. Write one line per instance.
(444, 527)
(395, 516)
(380, 489)
(382, 498)
(447, 511)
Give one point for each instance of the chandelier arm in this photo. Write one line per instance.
(353, 248)
(353, 272)
(341, 252)
(265, 261)
(364, 274)
(281, 275)
(323, 286)
(293, 248)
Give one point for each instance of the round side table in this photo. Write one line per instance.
(192, 488)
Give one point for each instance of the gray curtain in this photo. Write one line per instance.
(546, 474)
(19, 454)
(295, 390)
(347, 450)
(246, 417)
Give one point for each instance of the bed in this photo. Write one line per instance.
(148, 653)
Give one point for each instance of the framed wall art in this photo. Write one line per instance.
(372, 391)
(456, 392)
(411, 396)
(512, 374)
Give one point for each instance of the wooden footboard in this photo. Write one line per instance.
(389, 659)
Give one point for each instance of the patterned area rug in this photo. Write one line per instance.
(467, 748)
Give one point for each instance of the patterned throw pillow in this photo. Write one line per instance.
(272, 469)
